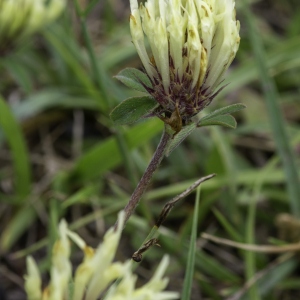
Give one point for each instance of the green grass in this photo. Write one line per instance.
(19, 151)
(62, 71)
(189, 272)
(276, 119)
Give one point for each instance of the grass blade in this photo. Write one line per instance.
(189, 274)
(228, 158)
(250, 257)
(18, 149)
(250, 227)
(78, 70)
(18, 72)
(233, 233)
(276, 118)
(107, 155)
(19, 223)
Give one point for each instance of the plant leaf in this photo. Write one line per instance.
(71, 59)
(130, 76)
(19, 72)
(180, 137)
(18, 148)
(217, 117)
(132, 109)
(19, 223)
(189, 273)
(106, 155)
(224, 111)
(226, 120)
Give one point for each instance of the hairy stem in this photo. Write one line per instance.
(153, 165)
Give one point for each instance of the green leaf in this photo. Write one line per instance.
(277, 121)
(217, 117)
(132, 109)
(19, 223)
(226, 120)
(18, 72)
(189, 274)
(209, 265)
(80, 196)
(209, 289)
(71, 59)
(269, 282)
(180, 137)
(129, 77)
(224, 111)
(233, 233)
(18, 148)
(48, 99)
(106, 155)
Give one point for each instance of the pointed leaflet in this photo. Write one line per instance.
(217, 117)
(132, 109)
(226, 120)
(130, 78)
(224, 111)
(180, 136)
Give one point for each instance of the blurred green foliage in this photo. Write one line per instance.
(61, 156)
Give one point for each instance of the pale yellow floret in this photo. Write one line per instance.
(33, 280)
(161, 43)
(150, 291)
(138, 37)
(95, 273)
(61, 266)
(203, 66)
(205, 30)
(206, 13)
(177, 29)
(148, 14)
(193, 42)
(224, 44)
(102, 259)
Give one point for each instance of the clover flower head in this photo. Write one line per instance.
(21, 18)
(193, 42)
(94, 274)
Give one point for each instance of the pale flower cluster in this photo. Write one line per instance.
(21, 18)
(95, 274)
(201, 36)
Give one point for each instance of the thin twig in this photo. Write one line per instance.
(256, 248)
(168, 207)
(138, 255)
(164, 214)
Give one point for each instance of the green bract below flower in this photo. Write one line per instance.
(193, 43)
(21, 18)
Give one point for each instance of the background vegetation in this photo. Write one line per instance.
(61, 156)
